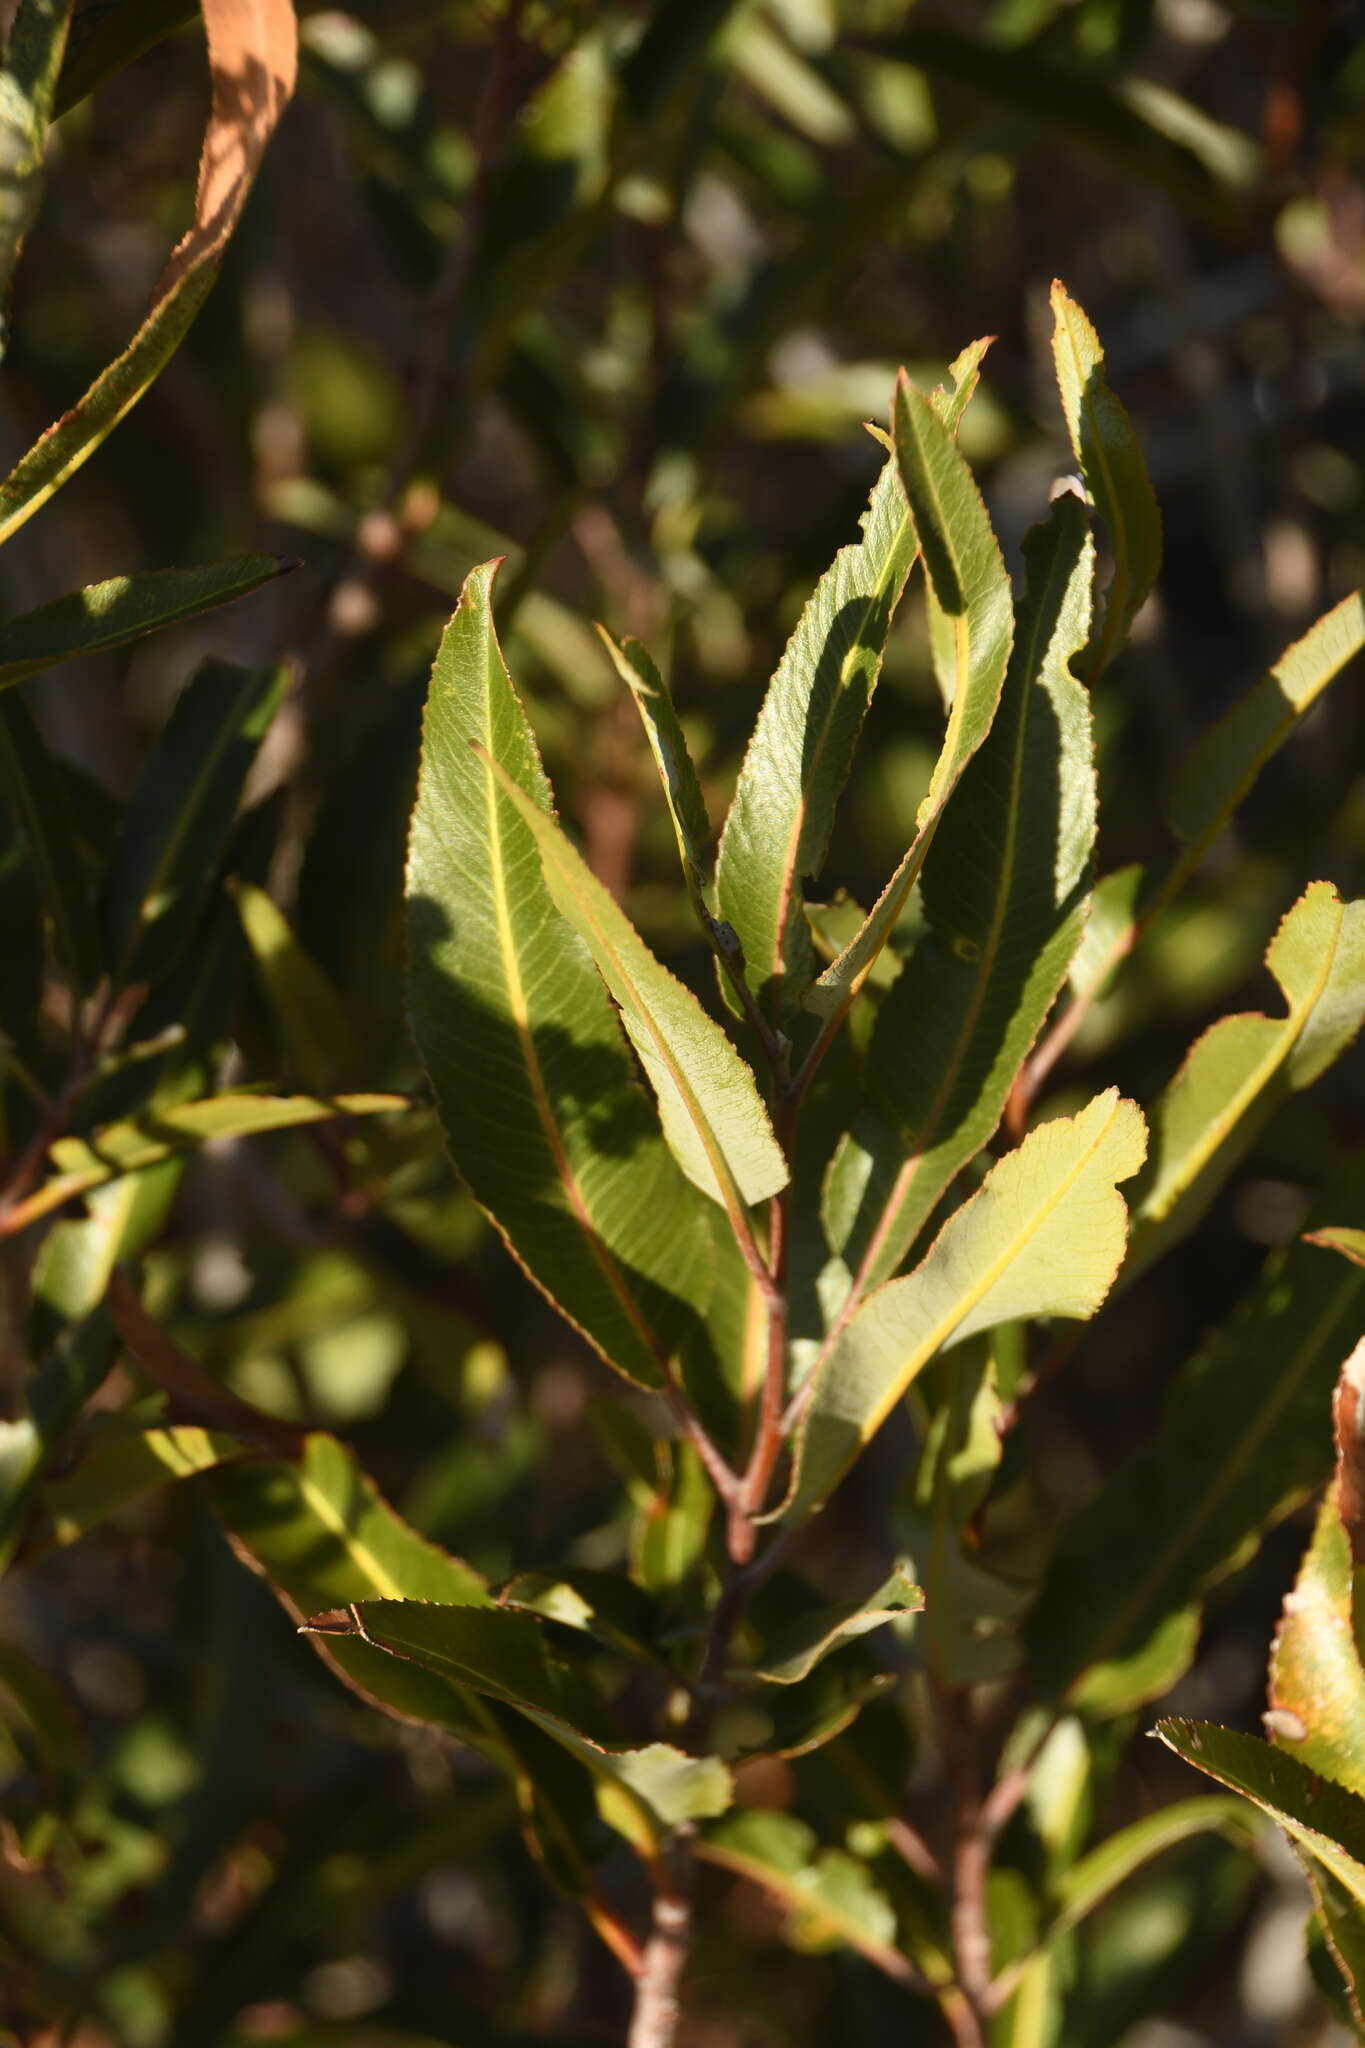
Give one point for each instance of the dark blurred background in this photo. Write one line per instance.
(609, 290)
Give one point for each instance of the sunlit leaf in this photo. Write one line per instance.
(778, 829)
(1043, 1236)
(713, 1116)
(1115, 474)
(1003, 891)
(1243, 1067)
(792, 1652)
(534, 1081)
(831, 1897)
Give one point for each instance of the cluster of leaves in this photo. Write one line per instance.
(801, 1203)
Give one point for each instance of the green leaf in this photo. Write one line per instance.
(1245, 1436)
(309, 1012)
(34, 792)
(1003, 891)
(1090, 1882)
(124, 1467)
(252, 57)
(1317, 1686)
(967, 578)
(28, 78)
(536, 1086)
(1341, 1927)
(507, 1655)
(105, 615)
(1318, 1816)
(69, 1333)
(1243, 1067)
(1335, 1238)
(830, 1896)
(1043, 1236)
(713, 1116)
(1115, 474)
(163, 1133)
(792, 1652)
(778, 829)
(179, 820)
(677, 776)
(1227, 758)
(322, 1536)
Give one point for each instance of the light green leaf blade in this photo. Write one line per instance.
(28, 80)
(1317, 1685)
(34, 791)
(1227, 758)
(792, 1653)
(713, 1116)
(1243, 1067)
(1004, 893)
(778, 829)
(507, 1655)
(1245, 1437)
(1322, 1818)
(105, 615)
(252, 57)
(1042, 1236)
(180, 817)
(1115, 474)
(668, 744)
(124, 1467)
(165, 1132)
(536, 1087)
(832, 1897)
(309, 1011)
(967, 577)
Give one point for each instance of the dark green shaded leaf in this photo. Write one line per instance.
(792, 1652)
(125, 608)
(35, 794)
(1245, 1435)
(33, 58)
(180, 817)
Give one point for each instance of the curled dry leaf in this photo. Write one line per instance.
(253, 57)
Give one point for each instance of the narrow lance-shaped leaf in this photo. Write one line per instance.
(967, 575)
(1003, 891)
(535, 1083)
(1217, 774)
(1317, 1682)
(162, 1133)
(713, 1116)
(778, 829)
(1339, 1238)
(253, 52)
(110, 614)
(1043, 1236)
(33, 791)
(1244, 1438)
(1320, 1817)
(1244, 1066)
(28, 80)
(1115, 474)
(668, 744)
(128, 1466)
(180, 818)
